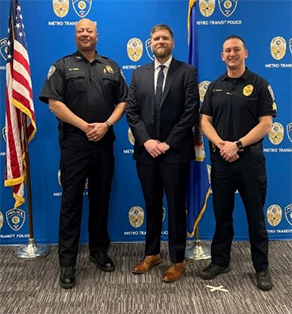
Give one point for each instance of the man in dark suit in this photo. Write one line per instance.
(162, 108)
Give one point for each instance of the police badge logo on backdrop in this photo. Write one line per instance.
(149, 49)
(3, 53)
(290, 45)
(207, 7)
(227, 7)
(276, 135)
(136, 216)
(15, 218)
(203, 86)
(4, 134)
(61, 7)
(59, 180)
(135, 49)
(274, 215)
(1, 220)
(81, 7)
(288, 213)
(289, 131)
(86, 184)
(131, 137)
(59, 177)
(3, 48)
(278, 47)
(163, 213)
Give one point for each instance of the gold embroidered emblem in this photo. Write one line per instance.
(274, 106)
(109, 69)
(247, 90)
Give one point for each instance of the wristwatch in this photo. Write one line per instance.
(109, 125)
(239, 144)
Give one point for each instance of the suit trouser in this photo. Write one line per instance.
(248, 175)
(172, 178)
(81, 159)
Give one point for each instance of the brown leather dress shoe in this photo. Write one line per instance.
(174, 272)
(146, 264)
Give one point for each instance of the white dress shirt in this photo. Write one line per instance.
(165, 71)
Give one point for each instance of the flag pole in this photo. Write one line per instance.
(31, 250)
(196, 250)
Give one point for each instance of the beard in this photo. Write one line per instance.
(162, 52)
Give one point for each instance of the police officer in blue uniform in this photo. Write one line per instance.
(87, 93)
(237, 113)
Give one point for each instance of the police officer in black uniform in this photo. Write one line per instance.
(237, 113)
(87, 93)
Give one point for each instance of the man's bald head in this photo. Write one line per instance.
(86, 35)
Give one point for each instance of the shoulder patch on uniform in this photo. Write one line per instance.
(52, 69)
(271, 92)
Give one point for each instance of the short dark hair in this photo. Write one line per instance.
(235, 37)
(161, 26)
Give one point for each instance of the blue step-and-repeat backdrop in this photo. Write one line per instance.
(124, 28)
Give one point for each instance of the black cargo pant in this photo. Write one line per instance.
(248, 176)
(82, 159)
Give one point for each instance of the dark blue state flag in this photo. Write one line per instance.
(199, 185)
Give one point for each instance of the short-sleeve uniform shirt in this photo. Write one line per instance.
(236, 104)
(89, 89)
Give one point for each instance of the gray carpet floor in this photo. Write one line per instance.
(32, 286)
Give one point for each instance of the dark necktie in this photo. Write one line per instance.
(158, 96)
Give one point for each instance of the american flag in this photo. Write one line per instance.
(19, 104)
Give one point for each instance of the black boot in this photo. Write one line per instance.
(264, 281)
(102, 261)
(67, 277)
(212, 271)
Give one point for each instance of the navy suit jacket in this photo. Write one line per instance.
(179, 111)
